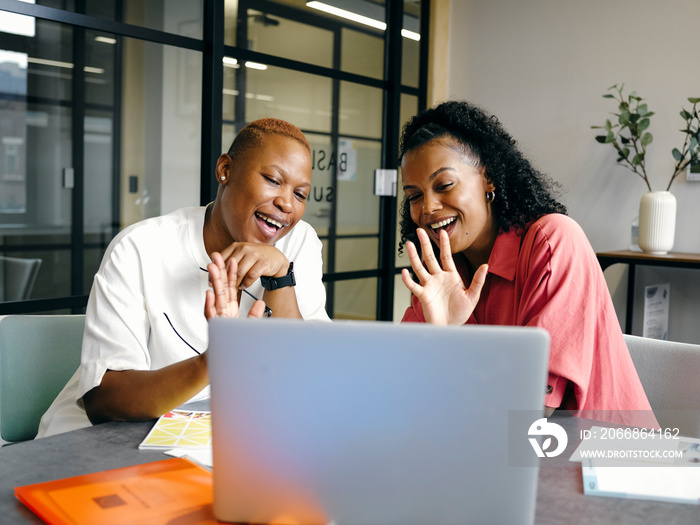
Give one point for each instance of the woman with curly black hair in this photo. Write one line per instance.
(497, 248)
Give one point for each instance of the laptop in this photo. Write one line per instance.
(372, 423)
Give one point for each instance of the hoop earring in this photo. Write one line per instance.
(490, 196)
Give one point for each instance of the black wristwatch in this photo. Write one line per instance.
(274, 283)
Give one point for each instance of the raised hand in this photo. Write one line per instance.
(441, 291)
(222, 299)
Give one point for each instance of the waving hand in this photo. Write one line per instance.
(442, 293)
(222, 299)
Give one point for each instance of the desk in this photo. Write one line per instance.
(633, 259)
(560, 496)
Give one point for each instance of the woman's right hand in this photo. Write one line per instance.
(222, 299)
(441, 291)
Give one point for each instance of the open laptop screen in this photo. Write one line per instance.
(371, 422)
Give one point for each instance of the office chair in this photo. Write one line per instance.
(38, 355)
(670, 375)
(18, 276)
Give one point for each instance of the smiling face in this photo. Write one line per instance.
(262, 192)
(446, 191)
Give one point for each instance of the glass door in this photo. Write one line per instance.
(42, 65)
(328, 75)
(91, 139)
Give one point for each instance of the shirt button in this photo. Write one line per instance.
(549, 389)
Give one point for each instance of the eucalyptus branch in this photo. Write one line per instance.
(640, 152)
(632, 119)
(627, 164)
(629, 138)
(689, 152)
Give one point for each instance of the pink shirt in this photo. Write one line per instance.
(551, 279)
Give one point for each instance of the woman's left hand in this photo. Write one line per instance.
(253, 260)
(441, 291)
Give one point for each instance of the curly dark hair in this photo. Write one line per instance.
(523, 194)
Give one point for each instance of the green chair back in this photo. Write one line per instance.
(38, 355)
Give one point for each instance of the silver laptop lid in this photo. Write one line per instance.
(370, 422)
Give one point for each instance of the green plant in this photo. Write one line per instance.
(630, 138)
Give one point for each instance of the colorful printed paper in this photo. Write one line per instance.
(185, 429)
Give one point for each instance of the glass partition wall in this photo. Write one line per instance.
(113, 111)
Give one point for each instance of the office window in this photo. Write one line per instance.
(92, 140)
(114, 96)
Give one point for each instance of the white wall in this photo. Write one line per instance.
(541, 66)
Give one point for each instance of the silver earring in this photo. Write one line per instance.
(490, 195)
(223, 178)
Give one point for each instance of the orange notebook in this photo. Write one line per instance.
(167, 491)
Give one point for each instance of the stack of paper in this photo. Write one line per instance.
(623, 464)
(182, 433)
(628, 479)
(188, 429)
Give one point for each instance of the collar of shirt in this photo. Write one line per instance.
(196, 234)
(504, 255)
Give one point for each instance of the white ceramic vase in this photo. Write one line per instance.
(657, 222)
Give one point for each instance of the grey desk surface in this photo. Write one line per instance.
(560, 496)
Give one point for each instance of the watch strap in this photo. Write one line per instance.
(275, 283)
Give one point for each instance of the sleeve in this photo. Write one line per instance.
(554, 393)
(308, 272)
(116, 319)
(560, 294)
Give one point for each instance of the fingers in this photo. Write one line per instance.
(426, 247)
(254, 260)
(214, 274)
(478, 282)
(226, 252)
(413, 286)
(219, 281)
(250, 268)
(416, 263)
(448, 263)
(243, 265)
(257, 310)
(231, 279)
(221, 300)
(430, 265)
(209, 310)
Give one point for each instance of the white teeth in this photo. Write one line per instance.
(440, 224)
(270, 221)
